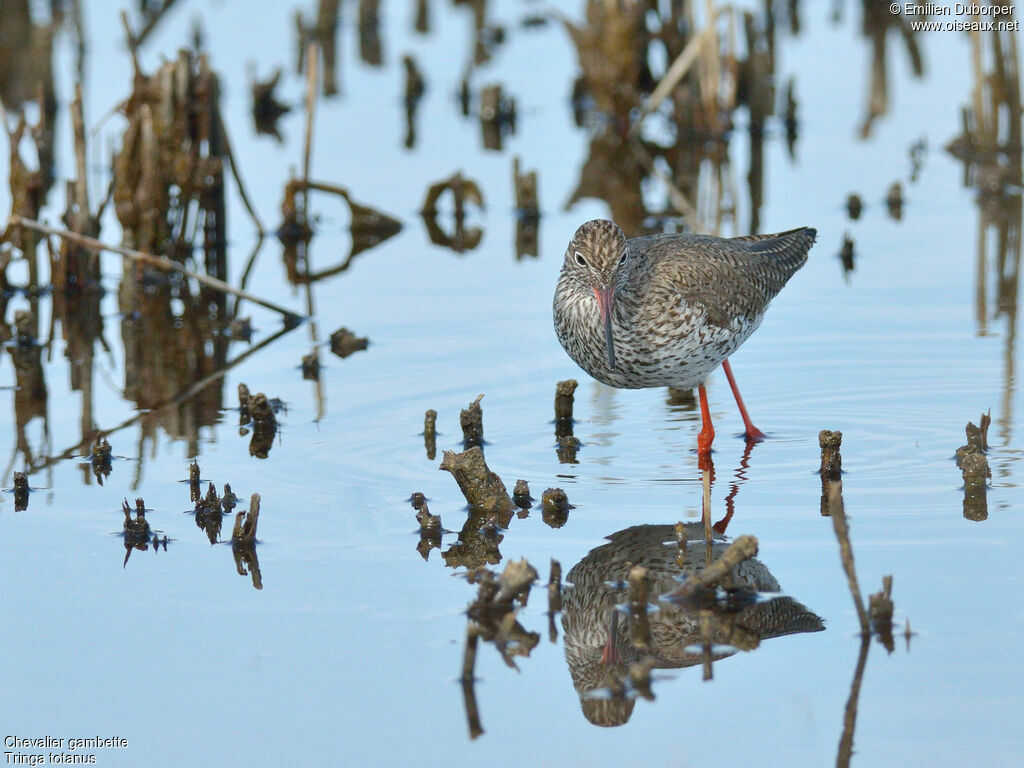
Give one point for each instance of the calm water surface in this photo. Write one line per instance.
(350, 652)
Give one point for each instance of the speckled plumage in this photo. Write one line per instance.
(680, 304)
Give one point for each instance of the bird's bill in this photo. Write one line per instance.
(605, 302)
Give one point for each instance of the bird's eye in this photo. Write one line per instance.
(625, 256)
(580, 260)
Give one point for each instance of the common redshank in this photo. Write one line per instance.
(666, 310)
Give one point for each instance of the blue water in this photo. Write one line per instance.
(350, 652)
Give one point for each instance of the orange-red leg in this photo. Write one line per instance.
(707, 432)
(752, 432)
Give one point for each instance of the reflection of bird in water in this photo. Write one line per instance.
(666, 310)
(597, 640)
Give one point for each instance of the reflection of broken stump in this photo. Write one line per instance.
(21, 490)
(976, 474)
(266, 109)
(846, 254)
(527, 211)
(310, 366)
(100, 459)
(497, 116)
(639, 626)
(880, 609)
(194, 491)
(854, 206)
(482, 488)
(260, 411)
(415, 86)
(555, 505)
(243, 542)
(697, 585)
(345, 343)
(430, 433)
(471, 419)
(136, 530)
(245, 524)
(894, 201)
(463, 191)
(494, 609)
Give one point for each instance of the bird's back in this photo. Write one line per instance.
(732, 279)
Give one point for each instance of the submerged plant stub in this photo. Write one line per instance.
(345, 343)
(195, 493)
(482, 488)
(563, 406)
(430, 433)
(244, 532)
(100, 459)
(521, 495)
(555, 505)
(977, 438)
(831, 460)
(472, 421)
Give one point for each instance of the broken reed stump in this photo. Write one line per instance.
(471, 419)
(563, 406)
(568, 444)
(974, 467)
(244, 533)
(345, 343)
(521, 495)
(977, 438)
(430, 433)
(482, 488)
(100, 458)
(431, 529)
(831, 469)
(555, 507)
(831, 460)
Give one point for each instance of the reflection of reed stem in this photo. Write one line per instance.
(850, 714)
(838, 514)
(162, 262)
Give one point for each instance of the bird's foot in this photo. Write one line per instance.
(754, 435)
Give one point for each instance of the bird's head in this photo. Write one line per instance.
(597, 258)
